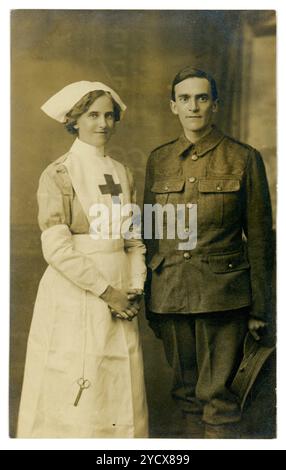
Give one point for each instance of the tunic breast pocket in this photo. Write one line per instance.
(219, 202)
(166, 190)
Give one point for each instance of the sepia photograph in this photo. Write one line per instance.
(143, 224)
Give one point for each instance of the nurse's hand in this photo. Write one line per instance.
(128, 315)
(118, 301)
(135, 294)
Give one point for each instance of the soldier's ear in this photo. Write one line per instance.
(173, 106)
(215, 106)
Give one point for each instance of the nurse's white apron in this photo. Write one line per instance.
(73, 335)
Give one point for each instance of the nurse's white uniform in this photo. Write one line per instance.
(73, 334)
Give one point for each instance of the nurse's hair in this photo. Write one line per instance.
(190, 72)
(83, 105)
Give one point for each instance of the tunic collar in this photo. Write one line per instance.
(204, 145)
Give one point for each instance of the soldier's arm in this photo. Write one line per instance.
(149, 198)
(258, 230)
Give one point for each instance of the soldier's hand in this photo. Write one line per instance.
(254, 325)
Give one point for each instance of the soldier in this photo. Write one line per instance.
(201, 302)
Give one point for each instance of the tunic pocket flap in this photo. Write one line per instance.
(168, 186)
(156, 261)
(219, 185)
(228, 262)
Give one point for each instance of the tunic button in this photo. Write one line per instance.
(195, 157)
(230, 265)
(192, 179)
(166, 188)
(187, 255)
(219, 188)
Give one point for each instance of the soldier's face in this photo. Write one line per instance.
(194, 104)
(96, 126)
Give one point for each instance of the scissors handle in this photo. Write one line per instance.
(83, 383)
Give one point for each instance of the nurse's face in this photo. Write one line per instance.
(96, 125)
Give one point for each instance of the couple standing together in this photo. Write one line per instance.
(84, 369)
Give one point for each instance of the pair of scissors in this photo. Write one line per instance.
(83, 385)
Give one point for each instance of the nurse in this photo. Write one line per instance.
(84, 369)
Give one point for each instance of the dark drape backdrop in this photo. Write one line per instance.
(137, 53)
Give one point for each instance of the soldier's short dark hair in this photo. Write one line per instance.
(83, 105)
(190, 72)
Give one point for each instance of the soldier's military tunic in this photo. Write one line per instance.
(199, 300)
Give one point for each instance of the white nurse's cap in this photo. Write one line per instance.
(62, 102)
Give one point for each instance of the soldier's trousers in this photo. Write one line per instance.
(204, 351)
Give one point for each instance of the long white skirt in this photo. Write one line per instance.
(73, 335)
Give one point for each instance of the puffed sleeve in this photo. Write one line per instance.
(57, 244)
(258, 230)
(135, 247)
(53, 196)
